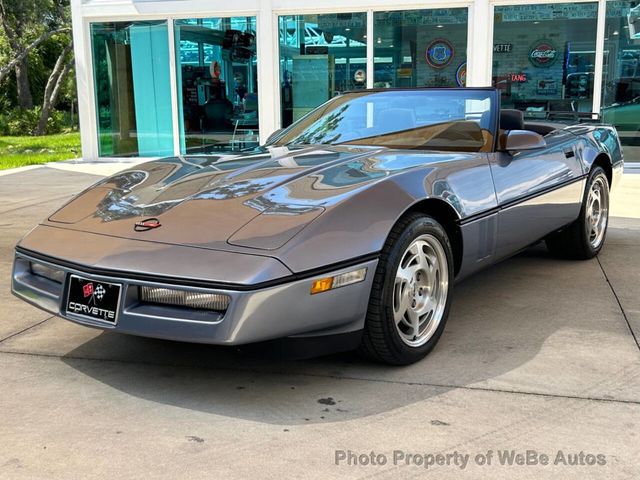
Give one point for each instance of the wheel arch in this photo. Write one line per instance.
(602, 160)
(448, 217)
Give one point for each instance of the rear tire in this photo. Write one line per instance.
(411, 292)
(584, 238)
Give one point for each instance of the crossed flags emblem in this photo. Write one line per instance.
(97, 292)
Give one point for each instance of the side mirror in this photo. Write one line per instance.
(273, 136)
(518, 140)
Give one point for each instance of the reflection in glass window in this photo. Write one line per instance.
(217, 84)
(621, 77)
(320, 55)
(544, 57)
(131, 72)
(417, 48)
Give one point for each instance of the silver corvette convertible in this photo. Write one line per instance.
(348, 228)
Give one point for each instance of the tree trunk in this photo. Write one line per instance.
(52, 90)
(25, 100)
(13, 34)
(9, 67)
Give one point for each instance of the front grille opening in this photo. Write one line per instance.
(216, 302)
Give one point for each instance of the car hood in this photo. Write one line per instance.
(254, 202)
(206, 201)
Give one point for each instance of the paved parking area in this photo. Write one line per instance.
(538, 354)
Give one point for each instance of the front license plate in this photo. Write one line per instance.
(91, 299)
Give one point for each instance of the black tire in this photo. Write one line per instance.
(381, 340)
(574, 240)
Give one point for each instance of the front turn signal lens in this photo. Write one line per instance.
(322, 285)
(337, 281)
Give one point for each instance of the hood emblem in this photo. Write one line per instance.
(148, 224)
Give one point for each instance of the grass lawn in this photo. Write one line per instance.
(21, 151)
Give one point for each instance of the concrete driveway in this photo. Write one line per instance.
(538, 354)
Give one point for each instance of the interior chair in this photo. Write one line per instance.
(511, 119)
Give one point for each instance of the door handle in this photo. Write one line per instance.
(569, 153)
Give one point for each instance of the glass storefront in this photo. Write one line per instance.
(132, 87)
(621, 81)
(544, 57)
(320, 56)
(417, 48)
(217, 84)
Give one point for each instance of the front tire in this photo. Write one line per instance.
(411, 292)
(583, 239)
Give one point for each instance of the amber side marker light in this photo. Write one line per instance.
(331, 283)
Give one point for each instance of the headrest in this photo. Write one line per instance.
(485, 120)
(511, 120)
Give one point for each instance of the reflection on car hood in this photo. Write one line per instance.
(203, 201)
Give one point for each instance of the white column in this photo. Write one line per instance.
(370, 62)
(480, 44)
(599, 65)
(268, 70)
(84, 82)
(173, 82)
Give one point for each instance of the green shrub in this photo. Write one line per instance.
(24, 122)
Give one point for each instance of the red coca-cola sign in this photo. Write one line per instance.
(543, 54)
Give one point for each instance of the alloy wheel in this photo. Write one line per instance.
(597, 212)
(420, 290)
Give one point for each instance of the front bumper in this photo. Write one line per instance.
(253, 315)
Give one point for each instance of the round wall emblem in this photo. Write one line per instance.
(360, 76)
(461, 74)
(439, 53)
(543, 54)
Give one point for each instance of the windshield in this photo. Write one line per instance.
(429, 119)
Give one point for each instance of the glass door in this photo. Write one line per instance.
(132, 87)
(217, 84)
(320, 56)
(621, 77)
(544, 58)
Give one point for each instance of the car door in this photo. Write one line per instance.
(537, 191)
